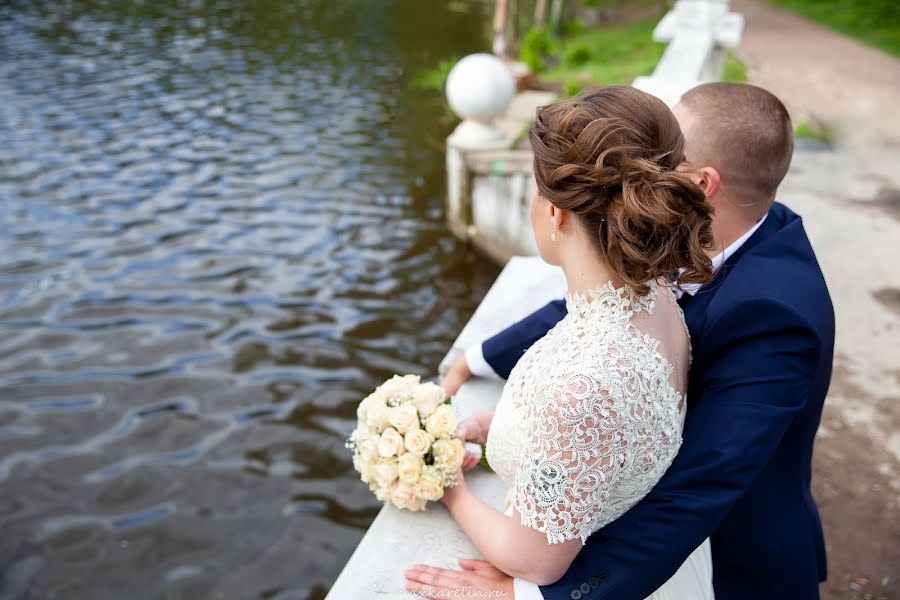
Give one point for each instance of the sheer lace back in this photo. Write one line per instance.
(591, 416)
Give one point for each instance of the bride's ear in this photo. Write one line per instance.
(558, 216)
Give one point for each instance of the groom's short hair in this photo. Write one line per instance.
(745, 132)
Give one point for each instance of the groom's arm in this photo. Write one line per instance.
(759, 378)
(502, 351)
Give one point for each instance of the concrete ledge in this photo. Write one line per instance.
(397, 539)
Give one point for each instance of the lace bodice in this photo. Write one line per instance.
(588, 421)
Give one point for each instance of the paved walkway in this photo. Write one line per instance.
(816, 70)
(850, 202)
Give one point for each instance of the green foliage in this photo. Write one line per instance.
(805, 131)
(735, 70)
(483, 461)
(875, 22)
(436, 77)
(571, 88)
(536, 47)
(577, 53)
(605, 56)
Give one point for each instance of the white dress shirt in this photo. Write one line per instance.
(522, 589)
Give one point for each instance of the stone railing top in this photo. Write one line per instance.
(398, 539)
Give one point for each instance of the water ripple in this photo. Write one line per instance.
(220, 225)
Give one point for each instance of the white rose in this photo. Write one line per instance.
(417, 504)
(368, 448)
(362, 432)
(404, 417)
(364, 467)
(449, 454)
(430, 486)
(382, 493)
(427, 397)
(385, 472)
(361, 409)
(397, 386)
(417, 441)
(377, 414)
(402, 495)
(390, 443)
(442, 423)
(409, 466)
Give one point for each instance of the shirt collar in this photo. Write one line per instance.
(719, 259)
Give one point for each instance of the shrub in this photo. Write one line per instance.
(536, 47)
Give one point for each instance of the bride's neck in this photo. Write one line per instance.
(585, 271)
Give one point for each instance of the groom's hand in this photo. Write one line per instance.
(456, 376)
(478, 578)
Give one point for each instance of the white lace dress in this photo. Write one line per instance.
(588, 423)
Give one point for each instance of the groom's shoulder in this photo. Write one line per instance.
(781, 269)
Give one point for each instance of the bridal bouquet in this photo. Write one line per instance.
(404, 445)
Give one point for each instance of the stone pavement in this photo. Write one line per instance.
(849, 197)
(820, 72)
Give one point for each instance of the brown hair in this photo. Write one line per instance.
(746, 135)
(610, 158)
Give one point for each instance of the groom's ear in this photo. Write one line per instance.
(708, 180)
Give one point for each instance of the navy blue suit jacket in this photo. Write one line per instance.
(762, 334)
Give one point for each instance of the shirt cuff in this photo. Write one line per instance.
(476, 363)
(525, 590)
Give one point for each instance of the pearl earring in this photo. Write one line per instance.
(553, 236)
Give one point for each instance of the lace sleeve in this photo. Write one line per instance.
(578, 440)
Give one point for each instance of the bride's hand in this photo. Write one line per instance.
(474, 429)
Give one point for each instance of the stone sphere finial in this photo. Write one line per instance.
(480, 87)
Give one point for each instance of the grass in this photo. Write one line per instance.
(735, 71)
(434, 78)
(874, 22)
(604, 56)
(587, 58)
(805, 131)
(613, 55)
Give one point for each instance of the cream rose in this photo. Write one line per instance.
(417, 441)
(362, 432)
(429, 487)
(402, 495)
(368, 448)
(390, 443)
(364, 467)
(417, 504)
(385, 472)
(377, 414)
(409, 466)
(449, 453)
(383, 494)
(442, 423)
(427, 397)
(404, 417)
(397, 386)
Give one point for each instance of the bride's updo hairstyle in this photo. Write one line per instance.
(610, 157)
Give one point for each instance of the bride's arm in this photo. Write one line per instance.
(564, 476)
(516, 550)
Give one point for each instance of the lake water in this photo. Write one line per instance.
(221, 224)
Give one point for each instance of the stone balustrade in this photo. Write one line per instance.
(397, 539)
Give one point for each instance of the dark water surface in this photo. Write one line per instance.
(221, 223)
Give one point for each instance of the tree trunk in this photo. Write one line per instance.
(500, 9)
(539, 9)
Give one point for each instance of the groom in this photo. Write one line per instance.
(762, 334)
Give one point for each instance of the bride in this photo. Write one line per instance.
(591, 415)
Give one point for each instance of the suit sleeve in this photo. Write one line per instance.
(757, 376)
(505, 349)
